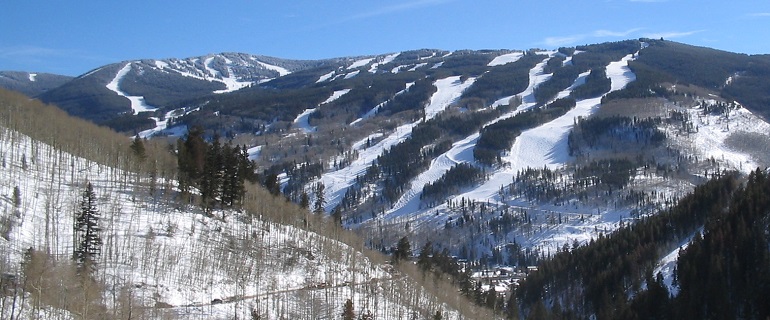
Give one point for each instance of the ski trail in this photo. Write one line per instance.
(337, 182)
(137, 102)
(461, 151)
(377, 108)
(546, 145)
(302, 121)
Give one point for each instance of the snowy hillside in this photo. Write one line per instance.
(161, 258)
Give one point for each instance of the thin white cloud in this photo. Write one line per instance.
(759, 14)
(561, 41)
(671, 34)
(397, 8)
(610, 33)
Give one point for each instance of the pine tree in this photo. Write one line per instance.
(320, 200)
(16, 197)
(403, 250)
(137, 146)
(348, 313)
(87, 230)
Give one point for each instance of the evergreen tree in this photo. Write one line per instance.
(424, 259)
(211, 179)
(137, 146)
(403, 250)
(320, 200)
(438, 315)
(87, 230)
(348, 313)
(16, 197)
(304, 200)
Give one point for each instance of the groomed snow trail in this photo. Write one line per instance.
(337, 182)
(461, 151)
(302, 122)
(546, 145)
(137, 102)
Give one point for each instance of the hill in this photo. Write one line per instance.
(31, 83)
(161, 257)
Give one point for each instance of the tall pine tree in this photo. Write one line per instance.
(87, 238)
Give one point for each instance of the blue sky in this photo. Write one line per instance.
(72, 38)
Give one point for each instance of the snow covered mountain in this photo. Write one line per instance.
(496, 157)
(144, 85)
(162, 258)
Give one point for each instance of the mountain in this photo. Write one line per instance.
(156, 256)
(493, 158)
(131, 87)
(30, 83)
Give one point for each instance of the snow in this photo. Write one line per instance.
(174, 255)
(417, 66)
(505, 59)
(543, 145)
(161, 64)
(325, 77)
(230, 81)
(437, 65)
(536, 77)
(397, 69)
(352, 74)
(254, 152)
(546, 145)
(360, 63)
(713, 130)
(161, 126)
(336, 95)
(137, 102)
(377, 108)
(32, 77)
(302, 121)
(281, 71)
(387, 59)
(336, 182)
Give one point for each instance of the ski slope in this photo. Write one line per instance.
(376, 109)
(461, 151)
(302, 121)
(337, 182)
(505, 59)
(137, 102)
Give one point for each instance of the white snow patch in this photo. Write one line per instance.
(505, 59)
(360, 63)
(352, 74)
(417, 66)
(325, 77)
(254, 152)
(336, 95)
(32, 77)
(281, 71)
(302, 122)
(387, 59)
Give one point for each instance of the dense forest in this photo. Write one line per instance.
(723, 273)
